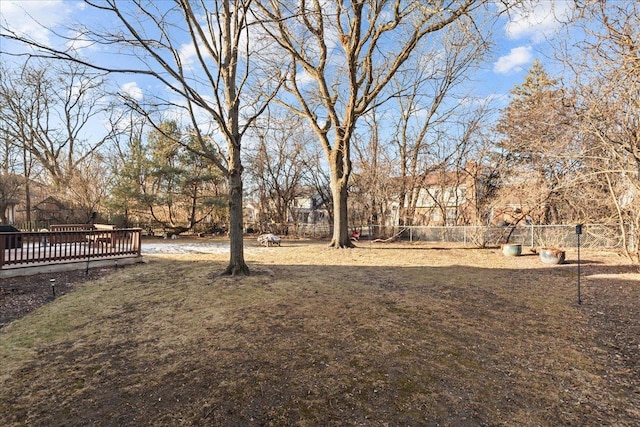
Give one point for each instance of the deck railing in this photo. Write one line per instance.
(26, 249)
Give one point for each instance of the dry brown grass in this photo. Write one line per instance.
(379, 335)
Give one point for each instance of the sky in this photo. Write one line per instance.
(521, 37)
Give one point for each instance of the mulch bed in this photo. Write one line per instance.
(23, 294)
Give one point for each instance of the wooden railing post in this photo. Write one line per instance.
(2, 240)
(137, 234)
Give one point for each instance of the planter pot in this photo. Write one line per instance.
(512, 249)
(552, 256)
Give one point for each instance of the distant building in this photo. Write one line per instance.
(308, 210)
(10, 210)
(305, 210)
(52, 210)
(443, 198)
(11, 190)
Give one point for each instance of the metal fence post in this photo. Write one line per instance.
(531, 234)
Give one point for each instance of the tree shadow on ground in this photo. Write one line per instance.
(338, 345)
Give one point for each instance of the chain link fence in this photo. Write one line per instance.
(594, 236)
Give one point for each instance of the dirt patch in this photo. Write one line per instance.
(393, 335)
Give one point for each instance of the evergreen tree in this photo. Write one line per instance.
(538, 146)
(165, 182)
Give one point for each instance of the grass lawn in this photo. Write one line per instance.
(381, 335)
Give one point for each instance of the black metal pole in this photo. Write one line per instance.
(86, 272)
(578, 233)
(579, 295)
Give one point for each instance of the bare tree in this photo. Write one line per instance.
(218, 88)
(430, 110)
(371, 189)
(9, 150)
(89, 187)
(343, 56)
(278, 165)
(459, 179)
(482, 167)
(11, 187)
(48, 110)
(127, 162)
(317, 178)
(606, 98)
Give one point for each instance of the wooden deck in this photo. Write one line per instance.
(41, 249)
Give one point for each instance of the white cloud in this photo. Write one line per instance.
(517, 57)
(538, 19)
(187, 53)
(133, 90)
(33, 18)
(303, 79)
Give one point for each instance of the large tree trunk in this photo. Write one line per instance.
(237, 264)
(341, 237)
(340, 168)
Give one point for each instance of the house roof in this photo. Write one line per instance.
(51, 200)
